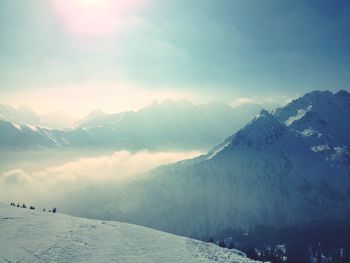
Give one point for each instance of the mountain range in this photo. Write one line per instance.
(170, 125)
(288, 166)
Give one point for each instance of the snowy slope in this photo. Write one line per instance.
(270, 172)
(35, 236)
(23, 136)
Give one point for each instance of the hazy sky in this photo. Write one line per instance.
(76, 55)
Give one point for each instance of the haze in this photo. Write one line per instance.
(80, 55)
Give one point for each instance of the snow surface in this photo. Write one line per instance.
(320, 148)
(216, 151)
(298, 116)
(36, 236)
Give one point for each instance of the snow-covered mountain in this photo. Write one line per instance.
(35, 236)
(24, 136)
(21, 115)
(25, 115)
(320, 116)
(170, 125)
(284, 167)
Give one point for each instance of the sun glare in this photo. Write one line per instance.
(89, 2)
(94, 17)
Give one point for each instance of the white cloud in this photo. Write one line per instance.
(15, 177)
(261, 100)
(241, 101)
(45, 186)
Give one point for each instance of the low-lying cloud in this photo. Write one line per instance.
(44, 186)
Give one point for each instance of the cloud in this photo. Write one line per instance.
(270, 100)
(241, 101)
(15, 177)
(45, 186)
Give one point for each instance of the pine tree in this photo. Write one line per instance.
(222, 243)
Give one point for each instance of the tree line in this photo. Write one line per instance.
(31, 207)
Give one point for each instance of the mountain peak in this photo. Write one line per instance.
(319, 93)
(342, 94)
(262, 131)
(96, 113)
(320, 110)
(316, 101)
(263, 117)
(264, 113)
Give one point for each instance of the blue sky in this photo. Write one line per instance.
(200, 49)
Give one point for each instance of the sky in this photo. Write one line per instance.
(79, 55)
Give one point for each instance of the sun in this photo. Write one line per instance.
(94, 17)
(89, 2)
